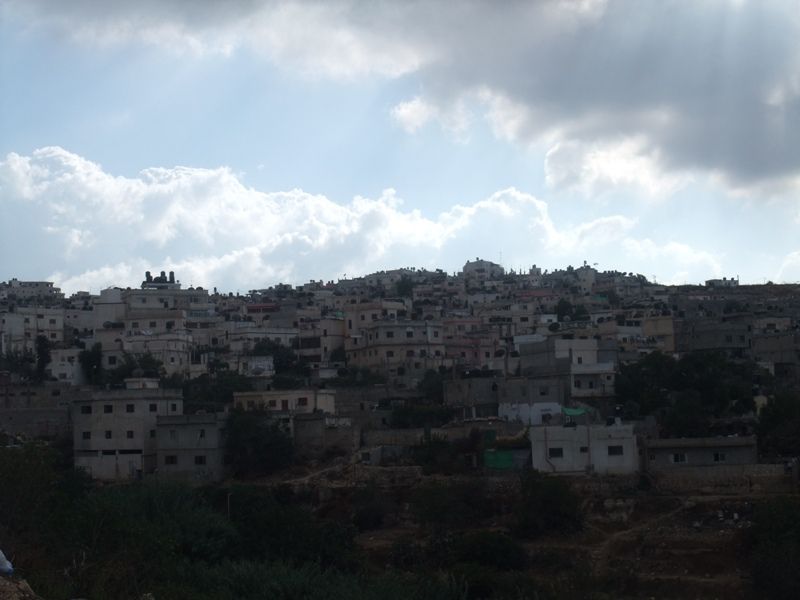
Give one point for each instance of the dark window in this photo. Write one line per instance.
(86, 435)
(173, 407)
(584, 449)
(679, 457)
(615, 451)
(720, 457)
(86, 410)
(170, 459)
(555, 452)
(302, 402)
(108, 408)
(112, 360)
(409, 334)
(129, 434)
(153, 408)
(152, 433)
(200, 460)
(389, 354)
(202, 433)
(129, 408)
(108, 435)
(390, 334)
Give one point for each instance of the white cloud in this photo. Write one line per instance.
(688, 264)
(789, 271)
(595, 168)
(213, 230)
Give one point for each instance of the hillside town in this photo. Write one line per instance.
(131, 374)
(401, 376)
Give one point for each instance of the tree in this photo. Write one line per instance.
(404, 287)
(563, 309)
(42, 356)
(255, 445)
(432, 386)
(91, 362)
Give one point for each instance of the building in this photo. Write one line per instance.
(191, 447)
(114, 431)
(292, 402)
(601, 449)
(667, 453)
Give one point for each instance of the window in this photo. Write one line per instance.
(577, 383)
(152, 324)
(108, 408)
(86, 410)
(543, 390)
(284, 405)
(615, 451)
(202, 434)
(108, 435)
(170, 459)
(200, 460)
(52, 336)
(389, 353)
(129, 434)
(302, 402)
(173, 407)
(112, 360)
(129, 408)
(435, 333)
(271, 403)
(152, 434)
(580, 360)
(409, 353)
(173, 434)
(584, 449)
(409, 334)
(719, 457)
(679, 457)
(86, 435)
(390, 334)
(555, 452)
(153, 408)
(135, 325)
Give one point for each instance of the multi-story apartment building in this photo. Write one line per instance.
(114, 431)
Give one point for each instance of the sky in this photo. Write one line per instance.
(246, 143)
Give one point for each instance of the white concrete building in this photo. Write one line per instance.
(606, 450)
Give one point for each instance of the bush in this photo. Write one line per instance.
(450, 504)
(546, 504)
(491, 549)
(775, 543)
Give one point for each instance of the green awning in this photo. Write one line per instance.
(573, 412)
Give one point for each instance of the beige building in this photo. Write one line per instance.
(114, 431)
(391, 345)
(301, 401)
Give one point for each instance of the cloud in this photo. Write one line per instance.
(701, 87)
(688, 264)
(96, 229)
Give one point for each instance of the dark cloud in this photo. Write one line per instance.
(708, 86)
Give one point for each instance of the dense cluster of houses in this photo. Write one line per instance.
(533, 351)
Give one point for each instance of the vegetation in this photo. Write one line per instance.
(775, 548)
(688, 392)
(255, 445)
(546, 505)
